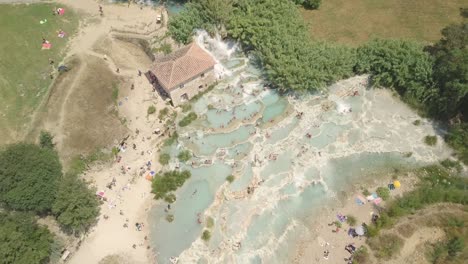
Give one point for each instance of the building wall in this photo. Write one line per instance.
(192, 87)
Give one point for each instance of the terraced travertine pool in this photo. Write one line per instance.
(289, 154)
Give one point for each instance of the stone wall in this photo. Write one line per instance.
(193, 87)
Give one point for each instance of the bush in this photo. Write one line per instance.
(46, 140)
(188, 119)
(312, 4)
(430, 140)
(366, 192)
(455, 245)
(170, 218)
(230, 178)
(457, 138)
(76, 207)
(209, 222)
(167, 182)
(361, 256)
(451, 164)
(383, 192)
(151, 110)
(165, 48)
(171, 140)
(164, 158)
(29, 177)
(385, 247)
(184, 156)
(206, 235)
(417, 122)
(186, 107)
(170, 198)
(163, 113)
(351, 220)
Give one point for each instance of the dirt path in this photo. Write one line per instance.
(78, 112)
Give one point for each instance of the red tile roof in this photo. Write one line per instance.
(181, 65)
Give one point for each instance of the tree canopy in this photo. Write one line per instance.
(76, 206)
(291, 60)
(22, 241)
(167, 182)
(451, 72)
(399, 64)
(29, 177)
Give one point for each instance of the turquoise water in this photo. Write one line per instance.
(285, 165)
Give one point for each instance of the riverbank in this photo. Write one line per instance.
(323, 234)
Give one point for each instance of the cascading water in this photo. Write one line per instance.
(288, 155)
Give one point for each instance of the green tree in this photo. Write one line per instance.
(46, 140)
(76, 206)
(29, 177)
(399, 64)
(451, 72)
(22, 240)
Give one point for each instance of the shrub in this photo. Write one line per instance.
(230, 178)
(209, 222)
(451, 164)
(188, 119)
(361, 256)
(151, 110)
(366, 192)
(386, 246)
(457, 138)
(186, 107)
(417, 122)
(455, 245)
(167, 182)
(170, 198)
(430, 140)
(163, 113)
(206, 235)
(171, 140)
(165, 48)
(312, 4)
(164, 158)
(46, 140)
(351, 220)
(170, 218)
(184, 156)
(383, 192)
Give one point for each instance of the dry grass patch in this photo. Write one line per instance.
(356, 21)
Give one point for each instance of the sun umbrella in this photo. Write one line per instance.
(359, 230)
(397, 184)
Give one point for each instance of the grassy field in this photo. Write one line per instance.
(24, 68)
(356, 21)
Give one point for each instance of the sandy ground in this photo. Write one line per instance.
(130, 197)
(311, 249)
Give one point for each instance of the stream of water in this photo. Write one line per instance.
(289, 155)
